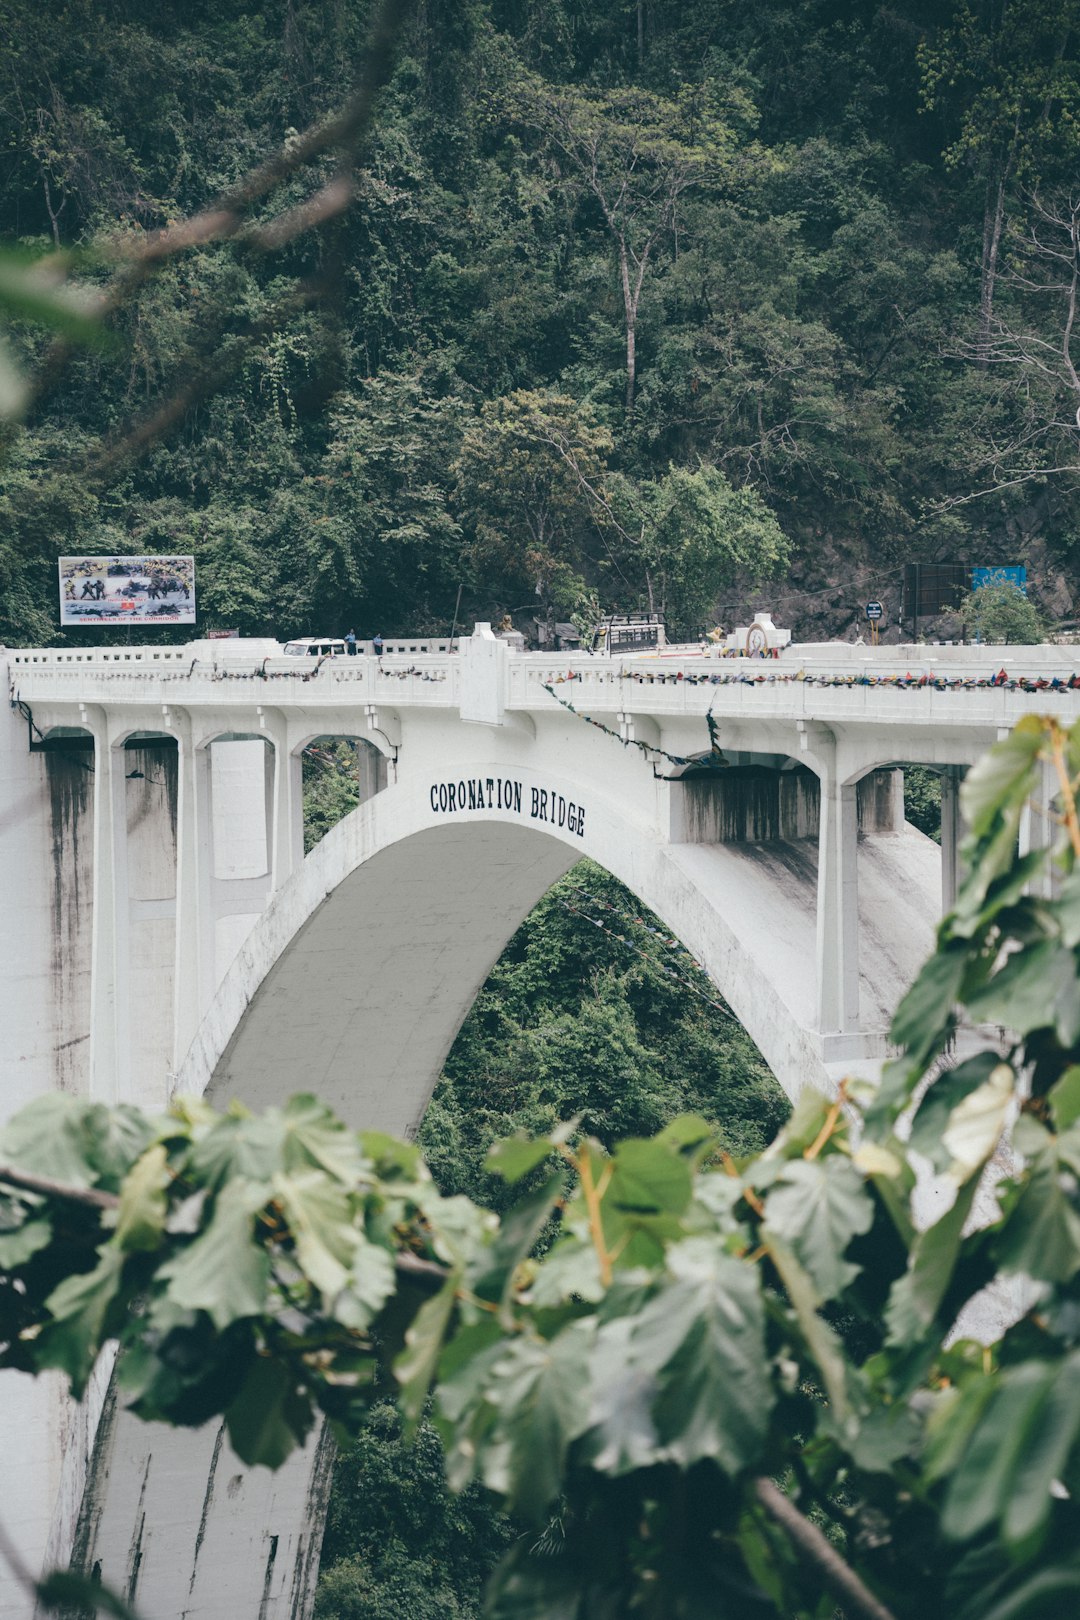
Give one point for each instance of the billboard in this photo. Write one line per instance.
(126, 590)
(1011, 574)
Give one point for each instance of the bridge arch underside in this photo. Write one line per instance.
(353, 985)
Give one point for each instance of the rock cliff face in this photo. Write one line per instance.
(823, 597)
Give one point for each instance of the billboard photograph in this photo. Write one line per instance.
(127, 590)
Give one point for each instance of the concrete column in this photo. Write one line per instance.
(194, 977)
(838, 906)
(1038, 831)
(109, 1003)
(286, 824)
(951, 833)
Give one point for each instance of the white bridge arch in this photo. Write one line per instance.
(789, 874)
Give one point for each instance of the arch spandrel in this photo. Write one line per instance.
(356, 979)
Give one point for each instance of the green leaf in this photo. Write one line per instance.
(915, 1297)
(975, 1123)
(514, 1156)
(983, 1480)
(1049, 1442)
(21, 1244)
(702, 1337)
(540, 1390)
(313, 1135)
(924, 1017)
(817, 1208)
(320, 1217)
(649, 1178)
(80, 1308)
(621, 1436)
(1041, 1233)
(270, 1417)
(140, 1220)
(372, 1281)
(415, 1366)
(942, 1095)
(1064, 1097)
(225, 1271)
(65, 1590)
(31, 291)
(518, 1232)
(1023, 993)
(821, 1341)
(1003, 776)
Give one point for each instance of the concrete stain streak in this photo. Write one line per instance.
(268, 1578)
(208, 1498)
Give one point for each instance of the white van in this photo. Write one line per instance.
(315, 647)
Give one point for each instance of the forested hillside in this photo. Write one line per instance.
(636, 302)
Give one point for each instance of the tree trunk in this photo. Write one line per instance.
(993, 220)
(631, 364)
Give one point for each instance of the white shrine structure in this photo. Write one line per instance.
(161, 932)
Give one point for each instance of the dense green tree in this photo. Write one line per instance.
(1000, 613)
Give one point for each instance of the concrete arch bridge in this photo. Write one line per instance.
(162, 930)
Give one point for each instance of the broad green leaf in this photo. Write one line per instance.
(79, 1308)
(1043, 1596)
(922, 1021)
(885, 1435)
(975, 909)
(270, 1417)
(225, 1271)
(415, 1366)
(821, 1341)
(570, 1270)
(942, 1095)
(540, 1389)
(392, 1158)
(1064, 1096)
(371, 1282)
(1052, 1437)
(518, 1232)
(1041, 1233)
(975, 1124)
(516, 1155)
(649, 1178)
(915, 1297)
(73, 1141)
(1022, 995)
(64, 1590)
(688, 1131)
(816, 1208)
(14, 385)
(32, 291)
(702, 1337)
(1003, 776)
(621, 1435)
(140, 1220)
(314, 1135)
(1066, 909)
(984, 1478)
(20, 1244)
(320, 1217)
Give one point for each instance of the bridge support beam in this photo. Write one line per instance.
(109, 1043)
(838, 907)
(194, 978)
(951, 834)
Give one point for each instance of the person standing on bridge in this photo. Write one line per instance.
(377, 645)
(350, 643)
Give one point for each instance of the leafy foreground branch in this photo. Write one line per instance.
(721, 1388)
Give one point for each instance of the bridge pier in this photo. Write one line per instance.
(837, 960)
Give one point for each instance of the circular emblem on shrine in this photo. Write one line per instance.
(757, 641)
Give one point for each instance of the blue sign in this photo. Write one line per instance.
(873, 611)
(1008, 574)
